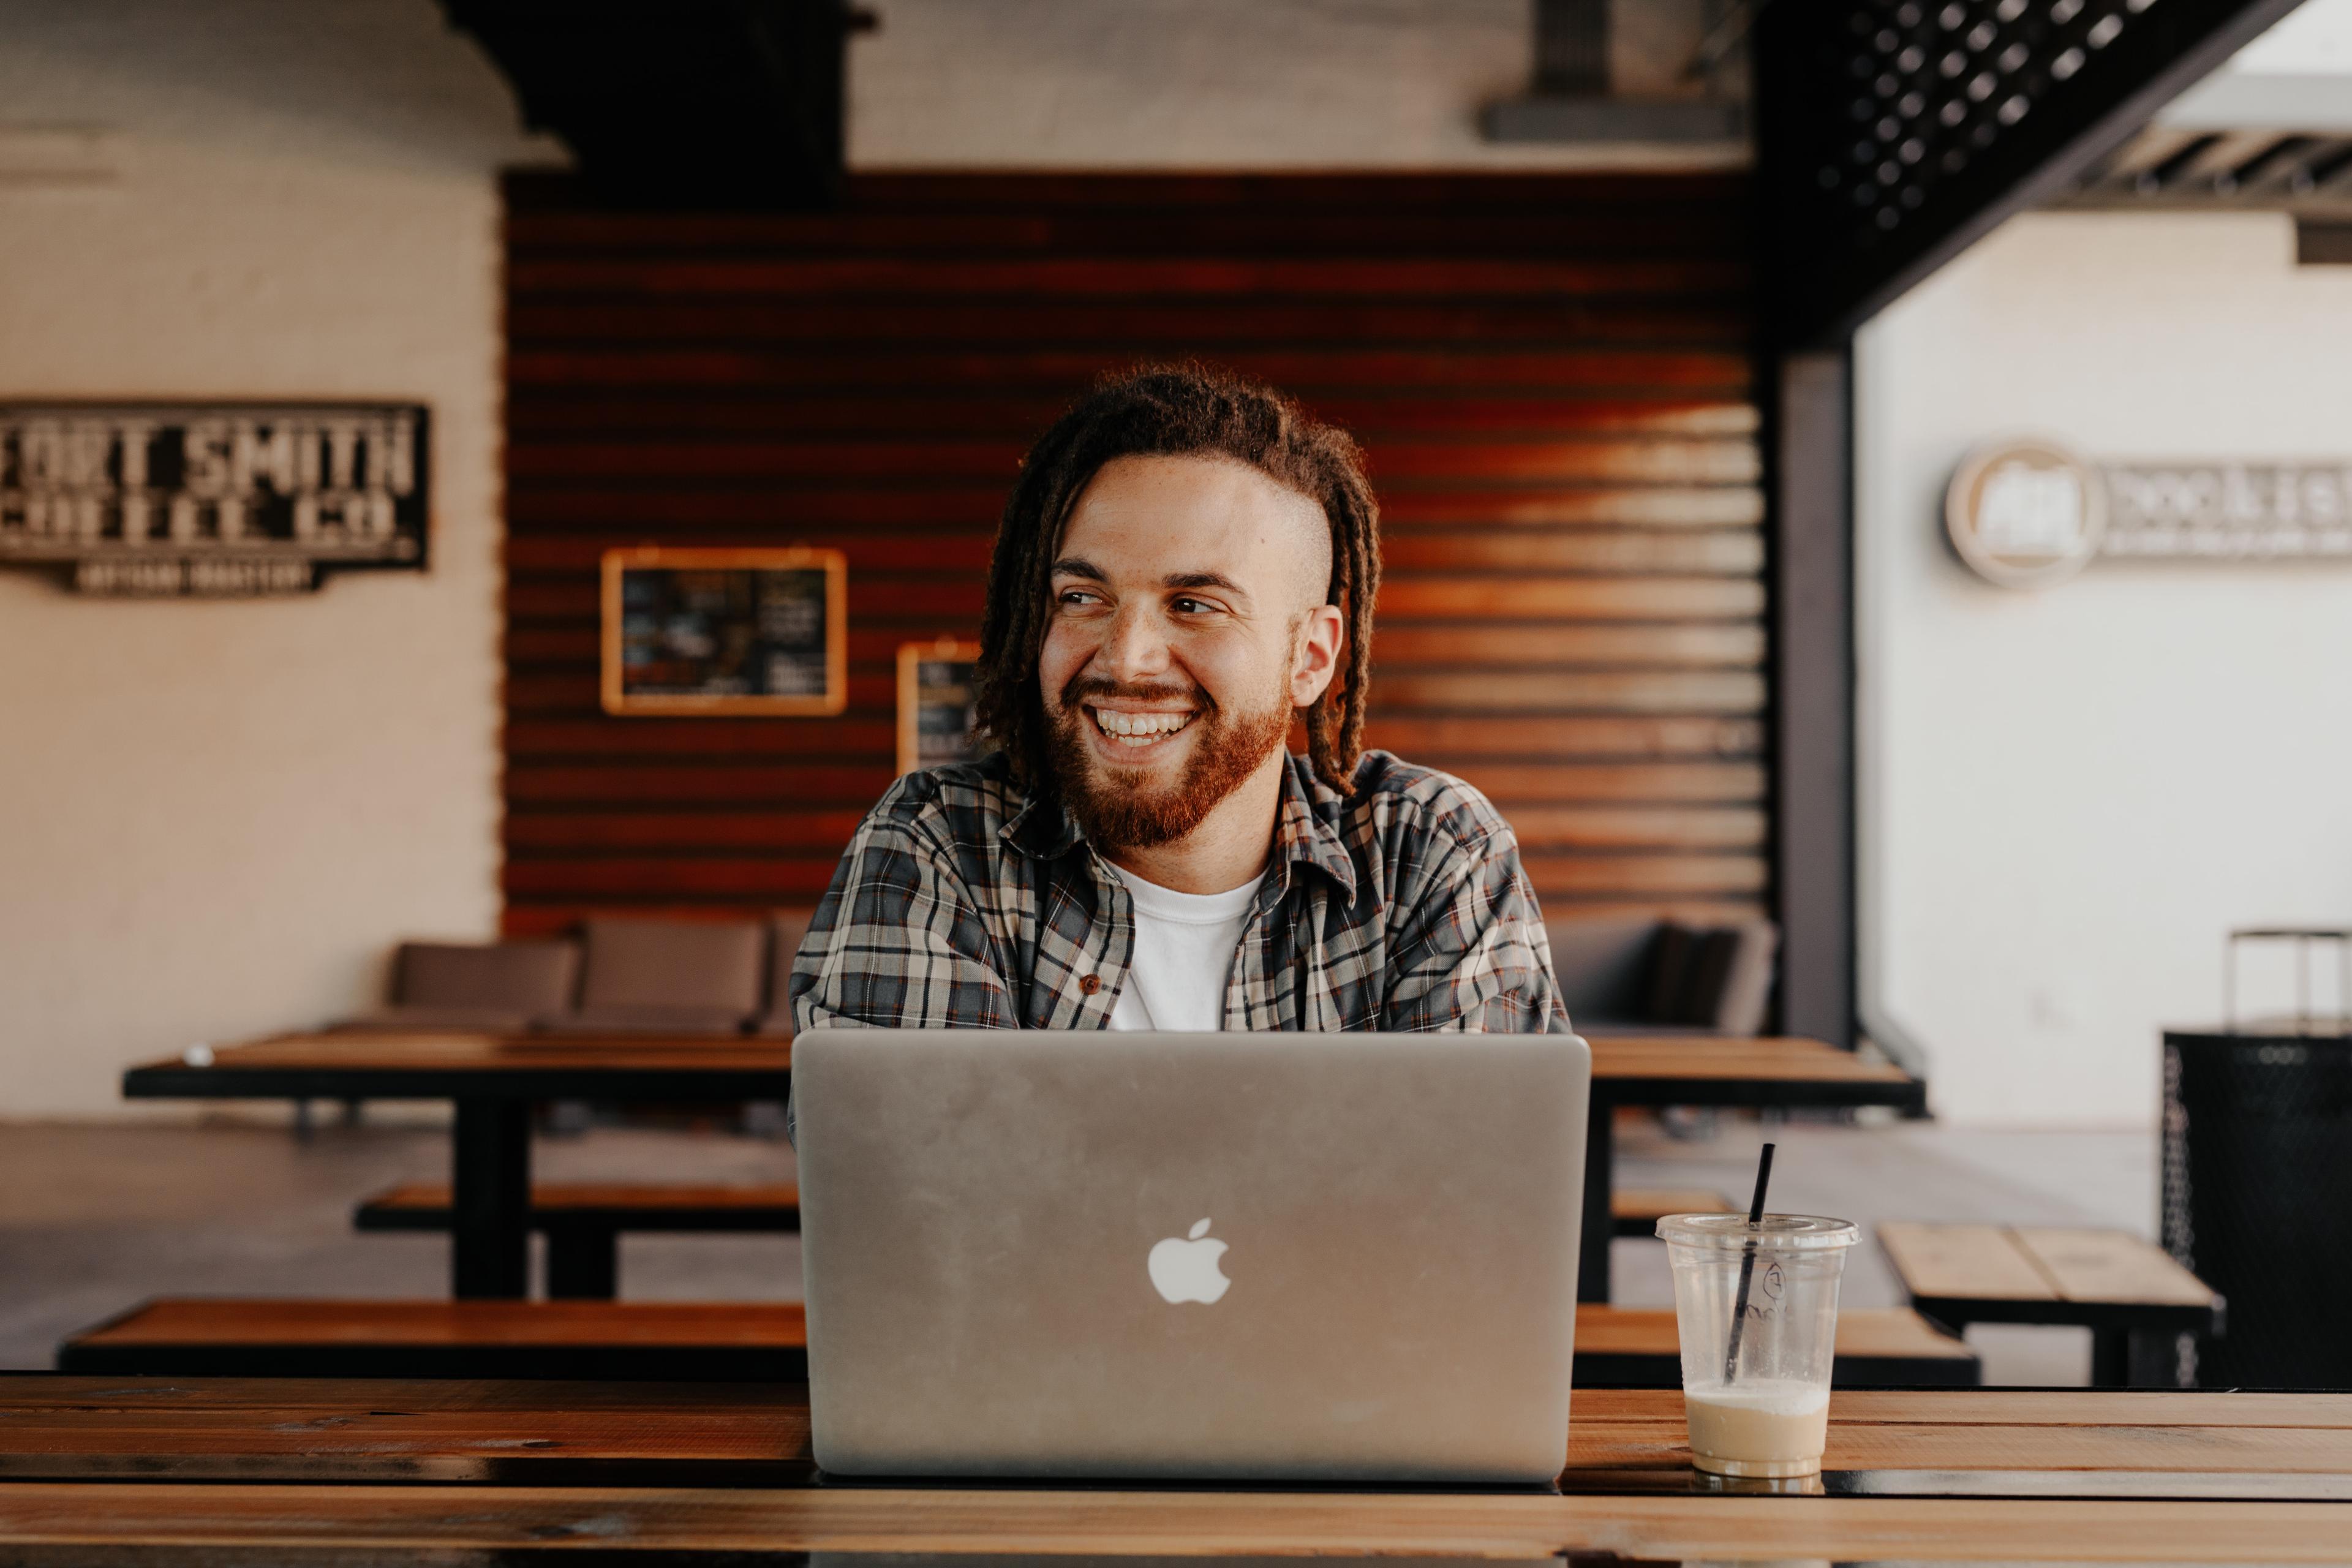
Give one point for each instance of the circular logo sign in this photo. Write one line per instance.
(2025, 513)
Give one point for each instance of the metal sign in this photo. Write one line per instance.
(2028, 512)
(219, 500)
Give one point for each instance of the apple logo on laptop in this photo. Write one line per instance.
(1186, 1269)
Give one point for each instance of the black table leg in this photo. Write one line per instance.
(583, 1262)
(2111, 1357)
(489, 1200)
(1600, 1227)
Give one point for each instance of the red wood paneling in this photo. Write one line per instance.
(1550, 375)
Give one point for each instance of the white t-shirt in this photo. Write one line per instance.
(1184, 945)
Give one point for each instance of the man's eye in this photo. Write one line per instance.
(1075, 597)
(1193, 606)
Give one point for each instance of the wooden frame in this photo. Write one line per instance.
(911, 656)
(620, 701)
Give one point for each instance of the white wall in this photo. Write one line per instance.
(1232, 84)
(2069, 795)
(215, 816)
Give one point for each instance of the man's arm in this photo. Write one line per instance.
(899, 940)
(1471, 952)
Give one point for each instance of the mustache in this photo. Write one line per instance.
(1081, 687)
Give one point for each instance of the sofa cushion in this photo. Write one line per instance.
(1717, 978)
(633, 961)
(1603, 964)
(518, 978)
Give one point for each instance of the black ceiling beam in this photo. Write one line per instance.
(680, 102)
(1893, 133)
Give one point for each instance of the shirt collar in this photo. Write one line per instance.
(1043, 830)
(1303, 836)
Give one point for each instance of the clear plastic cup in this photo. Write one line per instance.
(1760, 1407)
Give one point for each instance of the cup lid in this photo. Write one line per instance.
(1781, 1232)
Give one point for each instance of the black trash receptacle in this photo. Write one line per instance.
(2258, 1198)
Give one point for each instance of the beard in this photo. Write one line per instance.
(1116, 808)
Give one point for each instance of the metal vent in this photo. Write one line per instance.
(2308, 173)
(1573, 47)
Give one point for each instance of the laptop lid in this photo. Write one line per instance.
(1279, 1256)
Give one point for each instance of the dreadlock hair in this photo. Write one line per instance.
(1180, 411)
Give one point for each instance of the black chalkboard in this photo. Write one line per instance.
(724, 632)
(935, 715)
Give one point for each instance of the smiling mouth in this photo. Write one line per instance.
(1138, 729)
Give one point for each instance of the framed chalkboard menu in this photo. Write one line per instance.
(935, 720)
(725, 633)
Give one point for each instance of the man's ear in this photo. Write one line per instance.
(1315, 657)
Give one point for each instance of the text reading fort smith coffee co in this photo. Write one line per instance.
(220, 499)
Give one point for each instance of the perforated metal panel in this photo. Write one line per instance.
(1936, 85)
(1893, 131)
(2257, 1178)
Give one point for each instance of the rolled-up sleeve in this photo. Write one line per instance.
(1469, 951)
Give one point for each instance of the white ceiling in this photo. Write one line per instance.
(2297, 76)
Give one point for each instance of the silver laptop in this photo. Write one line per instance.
(1280, 1257)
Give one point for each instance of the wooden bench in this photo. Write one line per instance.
(1636, 1211)
(2131, 1295)
(1623, 1347)
(582, 1221)
(616, 1341)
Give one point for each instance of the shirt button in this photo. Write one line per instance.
(1089, 983)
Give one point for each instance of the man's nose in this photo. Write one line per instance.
(1135, 647)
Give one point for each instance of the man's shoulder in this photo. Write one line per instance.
(1391, 794)
(957, 802)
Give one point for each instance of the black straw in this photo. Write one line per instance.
(1748, 1263)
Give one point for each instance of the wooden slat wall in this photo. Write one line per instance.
(1551, 375)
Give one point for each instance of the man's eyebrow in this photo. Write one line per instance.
(1078, 566)
(1204, 580)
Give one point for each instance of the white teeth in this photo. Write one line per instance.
(1139, 729)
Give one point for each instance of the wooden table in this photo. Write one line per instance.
(493, 1080)
(1709, 1070)
(400, 1470)
(2120, 1287)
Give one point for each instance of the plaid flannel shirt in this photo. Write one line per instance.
(962, 902)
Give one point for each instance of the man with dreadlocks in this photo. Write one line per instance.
(1187, 564)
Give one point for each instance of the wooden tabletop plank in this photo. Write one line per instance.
(483, 1053)
(289, 1429)
(430, 1518)
(2107, 1266)
(1656, 1203)
(1964, 1261)
(618, 1197)
(1775, 1058)
(235, 1321)
(106, 1396)
(1595, 1444)
(2164, 1407)
(1784, 1059)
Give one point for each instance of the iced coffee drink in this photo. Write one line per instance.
(1757, 1310)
